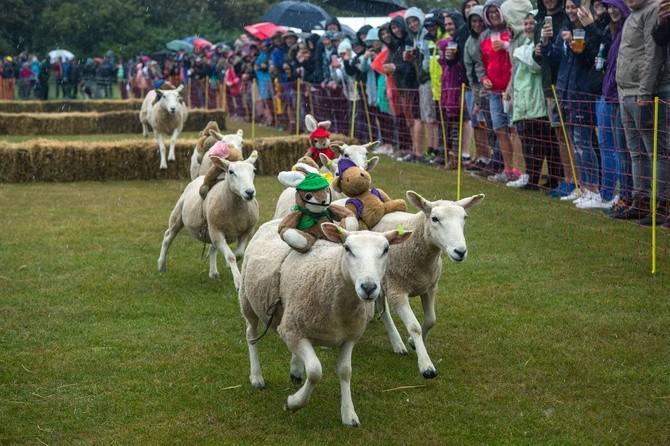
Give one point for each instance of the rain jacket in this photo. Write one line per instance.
(472, 59)
(453, 76)
(641, 69)
(528, 96)
(559, 19)
(404, 75)
(497, 64)
(612, 54)
(573, 82)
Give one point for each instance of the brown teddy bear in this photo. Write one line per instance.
(368, 204)
(205, 140)
(301, 228)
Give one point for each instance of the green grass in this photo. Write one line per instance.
(553, 332)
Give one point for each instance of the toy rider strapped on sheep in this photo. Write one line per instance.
(302, 226)
(319, 140)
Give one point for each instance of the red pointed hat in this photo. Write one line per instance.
(319, 133)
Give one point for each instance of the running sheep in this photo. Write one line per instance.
(321, 298)
(165, 111)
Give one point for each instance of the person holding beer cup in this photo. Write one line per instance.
(574, 50)
(661, 31)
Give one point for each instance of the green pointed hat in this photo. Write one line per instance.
(313, 181)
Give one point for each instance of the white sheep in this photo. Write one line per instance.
(228, 213)
(358, 154)
(166, 113)
(415, 267)
(324, 297)
(200, 163)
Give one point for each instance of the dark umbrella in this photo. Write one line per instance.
(301, 15)
(368, 7)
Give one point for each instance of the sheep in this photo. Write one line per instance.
(415, 268)
(228, 213)
(358, 154)
(324, 297)
(200, 163)
(166, 113)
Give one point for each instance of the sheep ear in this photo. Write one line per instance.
(240, 133)
(216, 135)
(469, 202)
(334, 233)
(329, 164)
(310, 123)
(290, 178)
(220, 162)
(372, 163)
(252, 158)
(418, 201)
(337, 147)
(371, 145)
(398, 236)
(180, 88)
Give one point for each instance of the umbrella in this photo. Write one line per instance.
(368, 7)
(347, 30)
(180, 45)
(294, 14)
(63, 54)
(263, 30)
(199, 42)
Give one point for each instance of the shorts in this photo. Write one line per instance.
(408, 101)
(552, 112)
(427, 103)
(499, 118)
(265, 90)
(470, 103)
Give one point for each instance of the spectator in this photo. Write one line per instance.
(264, 104)
(497, 73)
(481, 164)
(401, 66)
(573, 87)
(57, 69)
(544, 32)
(43, 79)
(25, 77)
(641, 72)
(611, 133)
(430, 97)
(529, 110)
(661, 35)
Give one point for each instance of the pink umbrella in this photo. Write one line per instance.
(263, 30)
(202, 43)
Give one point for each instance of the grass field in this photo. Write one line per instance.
(553, 332)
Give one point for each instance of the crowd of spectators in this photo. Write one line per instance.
(563, 93)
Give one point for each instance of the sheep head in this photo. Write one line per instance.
(240, 176)
(170, 100)
(366, 256)
(446, 222)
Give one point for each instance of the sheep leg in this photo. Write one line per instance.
(219, 240)
(349, 417)
(173, 143)
(396, 341)
(174, 226)
(213, 269)
(255, 375)
(145, 129)
(296, 369)
(406, 314)
(242, 242)
(428, 304)
(304, 350)
(161, 148)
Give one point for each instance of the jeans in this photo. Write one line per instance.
(587, 162)
(625, 168)
(638, 124)
(499, 118)
(609, 158)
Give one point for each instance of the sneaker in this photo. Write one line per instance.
(519, 182)
(660, 217)
(585, 196)
(408, 157)
(475, 166)
(500, 177)
(564, 188)
(572, 196)
(637, 210)
(595, 201)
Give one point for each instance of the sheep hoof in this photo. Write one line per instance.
(353, 423)
(429, 374)
(214, 275)
(258, 384)
(296, 379)
(164, 167)
(402, 352)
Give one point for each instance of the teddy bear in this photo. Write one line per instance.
(205, 140)
(217, 153)
(369, 204)
(319, 139)
(301, 228)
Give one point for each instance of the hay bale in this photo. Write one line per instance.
(131, 159)
(70, 106)
(91, 123)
